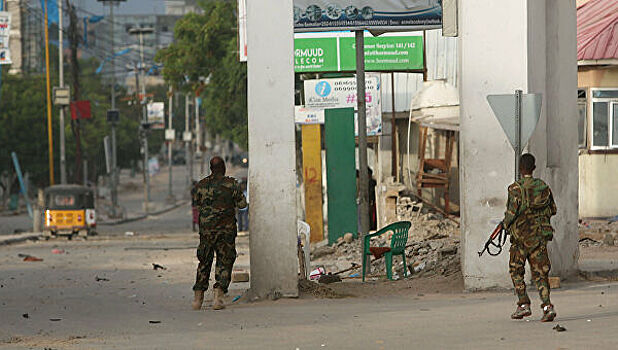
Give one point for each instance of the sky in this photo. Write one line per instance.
(130, 7)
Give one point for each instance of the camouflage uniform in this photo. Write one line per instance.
(217, 197)
(527, 219)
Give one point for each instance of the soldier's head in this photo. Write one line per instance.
(526, 164)
(217, 165)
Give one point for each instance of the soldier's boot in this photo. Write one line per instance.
(218, 303)
(548, 313)
(198, 300)
(521, 312)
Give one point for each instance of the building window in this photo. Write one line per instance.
(604, 118)
(614, 125)
(599, 124)
(581, 123)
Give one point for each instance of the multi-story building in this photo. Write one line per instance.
(181, 7)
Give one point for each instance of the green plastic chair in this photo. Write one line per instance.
(398, 246)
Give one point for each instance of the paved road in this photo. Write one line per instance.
(114, 313)
(131, 197)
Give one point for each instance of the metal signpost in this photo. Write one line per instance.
(518, 115)
(169, 137)
(22, 185)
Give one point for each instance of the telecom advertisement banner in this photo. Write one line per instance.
(338, 54)
(384, 15)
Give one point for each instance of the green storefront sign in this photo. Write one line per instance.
(315, 55)
(381, 54)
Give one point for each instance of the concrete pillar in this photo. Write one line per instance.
(272, 169)
(504, 46)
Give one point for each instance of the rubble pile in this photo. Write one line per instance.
(425, 224)
(432, 249)
(596, 233)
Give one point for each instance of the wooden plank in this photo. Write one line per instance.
(312, 172)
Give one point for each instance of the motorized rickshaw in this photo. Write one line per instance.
(69, 209)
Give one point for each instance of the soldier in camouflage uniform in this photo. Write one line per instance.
(217, 197)
(527, 219)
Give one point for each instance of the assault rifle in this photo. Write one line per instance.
(497, 240)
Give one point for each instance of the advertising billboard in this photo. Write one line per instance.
(384, 15)
(337, 53)
(156, 115)
(323, 94)
(5, 29)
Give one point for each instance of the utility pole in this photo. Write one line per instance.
(114, 177)
(140, 33)
(75, 124)
(63, 161)
(362, 133)
(49, 107)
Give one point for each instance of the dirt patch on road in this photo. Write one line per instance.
(436, 284)
(405, 287)
(308, 288)
(45, 342)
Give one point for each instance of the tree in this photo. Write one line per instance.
(23, 125)
(205, 49)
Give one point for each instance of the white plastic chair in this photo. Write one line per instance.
(305, 229)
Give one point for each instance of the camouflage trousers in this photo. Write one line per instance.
(539, 267)
(223, 244)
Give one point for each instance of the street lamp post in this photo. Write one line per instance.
(140, 33)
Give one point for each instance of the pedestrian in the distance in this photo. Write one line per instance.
(194, 209)
(527, 218)
(217, 197)
(243, 214)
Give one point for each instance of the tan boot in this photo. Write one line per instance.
(218, 303)
(198, 300)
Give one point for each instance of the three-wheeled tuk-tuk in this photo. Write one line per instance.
(69, 209)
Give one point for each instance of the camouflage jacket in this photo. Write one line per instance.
(529, 209)
(217, 198)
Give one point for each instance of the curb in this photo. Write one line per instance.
(611, 275)
(12, 239)
(141, 217)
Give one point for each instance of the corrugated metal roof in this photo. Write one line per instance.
(597, 30)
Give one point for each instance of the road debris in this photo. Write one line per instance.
(240, 276)
(559, 328)
(57, 251)
(101, 279)
(330, 278)
(25, 316)
(29, 257)
(154, 321)
(315, 274)
(158, 267)
(55, 319)
(316, 290)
